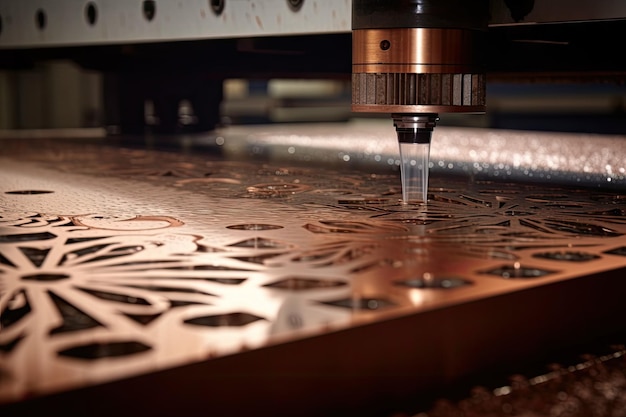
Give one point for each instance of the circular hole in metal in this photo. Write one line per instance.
(40, 19)
(567, 256)
(385, 44)
(217, 6)
(517, 271)
(28, 192)
(45, 277)
(91, 13)
(436, 282)
(149, 9)
(295, 5)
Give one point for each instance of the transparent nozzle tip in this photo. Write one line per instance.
(414, 133)
(414, 171)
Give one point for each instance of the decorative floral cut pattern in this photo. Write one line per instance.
(258, 251)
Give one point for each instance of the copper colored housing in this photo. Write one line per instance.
(416, 70)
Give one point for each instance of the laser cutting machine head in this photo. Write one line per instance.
(416, 59)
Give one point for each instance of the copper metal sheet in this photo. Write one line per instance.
(133, 270)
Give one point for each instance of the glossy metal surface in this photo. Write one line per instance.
(547, 158)
(187, 273)
(422, 50)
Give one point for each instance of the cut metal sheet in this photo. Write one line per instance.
(134, 270)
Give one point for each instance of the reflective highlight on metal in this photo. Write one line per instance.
(579, 160)
(129, 261)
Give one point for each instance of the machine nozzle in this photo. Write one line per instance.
(416, 59)
(414, 133)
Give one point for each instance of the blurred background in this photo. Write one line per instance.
(172, 67)
(61, 94)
